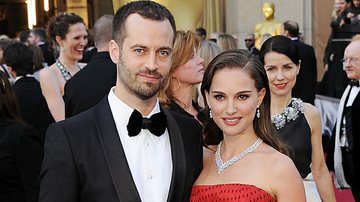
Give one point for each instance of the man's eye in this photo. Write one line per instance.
(163, 53)
(139, 50)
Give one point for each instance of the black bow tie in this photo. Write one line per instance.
(354, 83)
(156, 124)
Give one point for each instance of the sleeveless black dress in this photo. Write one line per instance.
(296, 133)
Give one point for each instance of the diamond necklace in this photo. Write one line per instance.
(64, 72)
(290, 113)
(221, 165)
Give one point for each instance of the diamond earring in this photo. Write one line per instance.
(257, 113)
(210, 114)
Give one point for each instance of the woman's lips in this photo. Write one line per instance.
(232, 121)
(281, 86)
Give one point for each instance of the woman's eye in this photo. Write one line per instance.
(243, 97)
(270, 69)
(219, 97)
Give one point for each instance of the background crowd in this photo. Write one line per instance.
(139, 110)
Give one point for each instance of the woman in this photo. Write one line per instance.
(226, 42)
(298, 123)
(68, 31)
(336, 22)
(208, 50)
(20, 151)
(243, 160)
(186, 70)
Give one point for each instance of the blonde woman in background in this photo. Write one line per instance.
(208, 50)
(187, 70)
(226, 42)
(69, 32)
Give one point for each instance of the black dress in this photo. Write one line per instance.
(296, 133)
(176, 108)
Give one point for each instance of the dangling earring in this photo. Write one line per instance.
(210, 114)
(257, 113)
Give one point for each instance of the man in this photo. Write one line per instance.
(89, 86)
(344, 153)
(32, 104)
(250, 44)
(38, 37)
(201, 32)
(305, 87)
(110, 152)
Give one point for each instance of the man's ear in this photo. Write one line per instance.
(114, 51)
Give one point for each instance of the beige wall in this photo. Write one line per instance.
(313, 18)
(79, 7)
(242, 15)
(187, 13)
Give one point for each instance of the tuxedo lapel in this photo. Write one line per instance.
(178, 158)
(114, 153)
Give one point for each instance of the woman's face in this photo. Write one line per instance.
(233, 101)
(192, 71)
(356, 3)
(281, 72)
(340, 5)
(74, 43)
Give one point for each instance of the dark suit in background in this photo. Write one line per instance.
(48, 54)
(89, 86)
(21, 155)
(305, 87)
(306, 80)
(351, 159)
(32, 104)
(85, 155)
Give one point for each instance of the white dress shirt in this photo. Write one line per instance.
(148, 156)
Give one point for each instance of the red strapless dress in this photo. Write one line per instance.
(229, 192)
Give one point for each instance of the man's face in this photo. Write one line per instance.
(249, 41)
(33, 39)
(144, 58)
(352, 60)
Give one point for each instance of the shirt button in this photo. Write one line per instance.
(150, 177)
(147, 144)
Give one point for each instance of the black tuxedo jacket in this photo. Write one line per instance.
(355, 126)
(32, 104)
(47, 53)
(305, 87)
(89, 86)
(84, 159)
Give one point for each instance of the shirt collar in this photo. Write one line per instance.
(122, 112)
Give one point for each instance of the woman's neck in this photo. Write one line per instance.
(278, 103)
(234, 144)
(70, 65)
(182, 93)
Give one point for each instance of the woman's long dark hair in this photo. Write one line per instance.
(9, 109)
(241, 59)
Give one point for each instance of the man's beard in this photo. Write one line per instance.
(142, 90)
